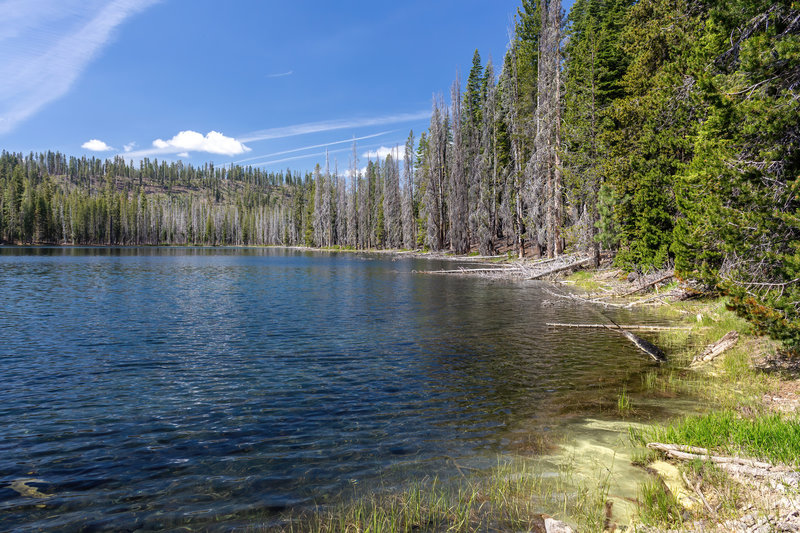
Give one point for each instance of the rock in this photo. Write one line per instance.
(551, 525)
(24, 488)
(548, 524)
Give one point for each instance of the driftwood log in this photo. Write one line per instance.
(625, 326)
(778, 475)
(560, 268)
(649, 284)
(714, 350)
(467, 270)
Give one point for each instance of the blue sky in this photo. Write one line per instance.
(260, 82)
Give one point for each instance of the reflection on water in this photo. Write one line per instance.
(152, 387)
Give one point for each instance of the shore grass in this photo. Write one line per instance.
(512, 497)
(771, 437)
(735, 421)
(658, 507)
(624, 403)
(731, 382)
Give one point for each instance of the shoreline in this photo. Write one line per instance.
(747, 384)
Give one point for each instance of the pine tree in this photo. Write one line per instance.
(594, 68)
(740, 224)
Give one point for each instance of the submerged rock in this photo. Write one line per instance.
(24, 488)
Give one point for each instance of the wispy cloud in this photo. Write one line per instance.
(314, 146)
(281, 75)
(299, 157)
(128, 147)
(331, 125)
(96, 145)
(47, 44)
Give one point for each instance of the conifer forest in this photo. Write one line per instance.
(661, 132)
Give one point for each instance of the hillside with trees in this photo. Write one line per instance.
(662, 131)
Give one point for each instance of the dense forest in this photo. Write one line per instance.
(664, 131)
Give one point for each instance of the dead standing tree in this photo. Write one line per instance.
(459, 193)
(544, 167)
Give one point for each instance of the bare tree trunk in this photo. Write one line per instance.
(409, 230)
(459, 237)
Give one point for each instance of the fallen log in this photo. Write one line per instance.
(779, 474)
(714, 350)
(585, 300)
(647, 347)
(648, 284)
(627, 326)
(467, 270)
(561, 268)
(537, 262)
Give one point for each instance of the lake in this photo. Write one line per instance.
(152, 388)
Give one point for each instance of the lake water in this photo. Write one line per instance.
(150, 388)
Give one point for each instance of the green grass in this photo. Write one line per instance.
(624, 402)
(658, 506)
(585, 279)
(770, 437)
(510, 498)
(730, 381)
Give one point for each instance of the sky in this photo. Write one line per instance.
(265, 83)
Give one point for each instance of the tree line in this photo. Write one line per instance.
(663, 131)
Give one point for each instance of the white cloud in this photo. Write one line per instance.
(348, 173)
(381, 153)
(130, 146)
(330, 125)
(46, 45)
(96, 145)
(183, 154)
(191, 141)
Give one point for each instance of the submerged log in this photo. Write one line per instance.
(647, 347)
(714, 350)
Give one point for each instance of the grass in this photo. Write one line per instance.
(510, 498)
(586, 280)
(770, 437)
(730, 382)
(727, 496)
(737, 422)
(624, 403)
(658, 506)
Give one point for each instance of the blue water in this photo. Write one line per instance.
(153, 388)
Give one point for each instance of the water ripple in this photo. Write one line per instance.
(156, 388)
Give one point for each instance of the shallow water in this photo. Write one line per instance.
(149, 388)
